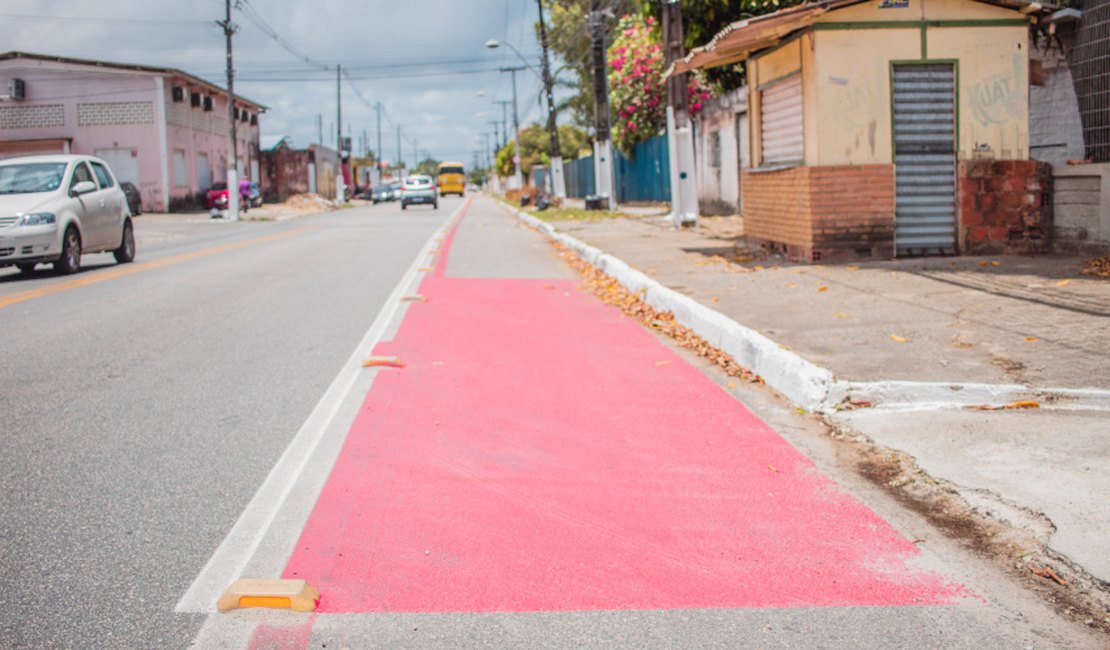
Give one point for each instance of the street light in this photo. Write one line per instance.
(557, 185)
(493, 44)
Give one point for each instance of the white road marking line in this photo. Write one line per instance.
(235, 552)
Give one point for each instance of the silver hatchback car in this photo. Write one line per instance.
(419, 189)
(55, 208)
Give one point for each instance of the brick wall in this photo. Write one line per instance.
(853, 212)
(1005, 206)
(777, 209)
(841, 212)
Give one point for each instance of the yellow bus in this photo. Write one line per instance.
(450, 178)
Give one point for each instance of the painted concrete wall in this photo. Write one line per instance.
(94, 109)
(1081, 207)
(993, 74)
(128, 113)
(921, 10)
(719, 175)
(853, 93)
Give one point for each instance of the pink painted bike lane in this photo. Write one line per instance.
(540, 451)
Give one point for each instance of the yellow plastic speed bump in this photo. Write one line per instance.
(416, 297)
(296, 595)
(391, 362)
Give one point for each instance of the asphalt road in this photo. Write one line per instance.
(200, 415)
(141, 412)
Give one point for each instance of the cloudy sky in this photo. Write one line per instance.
(424, 60)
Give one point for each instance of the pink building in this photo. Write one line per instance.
(162, 129)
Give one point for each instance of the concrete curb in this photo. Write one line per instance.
(804, 383)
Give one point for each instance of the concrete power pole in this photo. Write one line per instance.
(233, 162)
(558, 185)
(518, 176)
(680, 135)
(340, 181)
(603, 148)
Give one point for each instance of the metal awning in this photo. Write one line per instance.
(741, 39)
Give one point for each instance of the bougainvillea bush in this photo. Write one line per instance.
(637, 91)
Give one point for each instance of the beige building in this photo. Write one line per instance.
(881, 128)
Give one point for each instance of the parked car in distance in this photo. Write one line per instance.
(386, 192)
(55, 208)
(419, 189)
(134, 199)
(216, 197)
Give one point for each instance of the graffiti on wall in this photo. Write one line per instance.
(1000, 98)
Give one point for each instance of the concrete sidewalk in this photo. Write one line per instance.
(904, 352)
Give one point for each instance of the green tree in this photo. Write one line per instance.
(535, 148)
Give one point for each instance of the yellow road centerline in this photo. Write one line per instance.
(128, 269)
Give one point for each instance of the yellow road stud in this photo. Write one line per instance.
(296, 595)
(391, 362)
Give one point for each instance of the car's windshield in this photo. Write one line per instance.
(218, 187)
(28, 178)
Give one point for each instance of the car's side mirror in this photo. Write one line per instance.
(84, 187)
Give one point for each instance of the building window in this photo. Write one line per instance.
(780, 122)
(715, 149)
(180, 178)
(178, 94)
(208, 104)
(194, 100)
(254, 119)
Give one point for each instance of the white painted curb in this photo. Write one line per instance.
(806, 384)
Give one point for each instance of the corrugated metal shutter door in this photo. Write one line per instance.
(781, 123)
(925, 159)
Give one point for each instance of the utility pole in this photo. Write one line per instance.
(518, 177)
(557, 185)
(603, 148)
(680, 136)
(340, 180)
(378, 163)
(233, 163)
(320, 128)
(400, 167)
(504, 121)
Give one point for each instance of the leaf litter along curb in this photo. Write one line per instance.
(612, 292)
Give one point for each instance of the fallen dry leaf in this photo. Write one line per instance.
(1063, 283)
(983, 263)
(841, 314)
(1048, 572)
(772, 468)
(822, 288)
(732, 384)
(993, 263)
(1098, 267)
(791, 285)
(612, 292)
(715, 299)
(851, 268)
(899, 339)
(662, 363)
(1032, 339)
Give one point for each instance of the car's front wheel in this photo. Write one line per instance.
(70, 259)
(126, 251)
